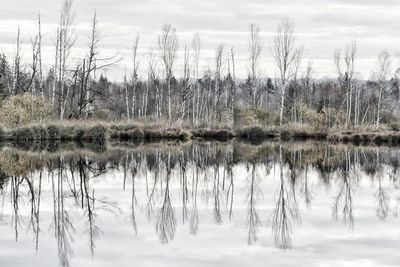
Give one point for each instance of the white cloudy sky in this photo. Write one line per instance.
(322, 26)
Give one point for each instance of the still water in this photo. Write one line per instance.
(200, 204)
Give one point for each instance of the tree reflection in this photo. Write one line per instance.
(198, 176)
(166, 220)
(194, 214)
(285, 212)
(63, 226)
(134, 200)
(344, 198)
(253, 220)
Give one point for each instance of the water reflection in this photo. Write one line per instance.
(170, 184)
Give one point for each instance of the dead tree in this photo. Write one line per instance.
(39, 56)
(17, 65)
(91, 64)
(126, 86)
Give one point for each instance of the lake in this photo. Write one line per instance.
(199, 204)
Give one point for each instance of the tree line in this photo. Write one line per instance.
(78, 89)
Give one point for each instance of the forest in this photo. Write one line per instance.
(77, 89)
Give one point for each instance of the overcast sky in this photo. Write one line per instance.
(321, 25)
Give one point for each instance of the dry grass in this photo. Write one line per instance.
(139, 131)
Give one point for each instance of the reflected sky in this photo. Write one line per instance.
(200, 204)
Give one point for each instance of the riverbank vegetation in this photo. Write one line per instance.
(100, 133)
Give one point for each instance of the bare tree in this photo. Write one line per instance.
(39, 51)
(232, 93)
(31, 87)
(186, 90)
(66, 40)
(55, 69)
(197, 96)
(135, 76)
(347, 74)
(217, 81)
(382, 75)
(95, 38)
(126, 86)
(287, 57)
(36, 64)
(17, 64)
(152, 70)
(91, 63)
(168, 44)
(255, 48)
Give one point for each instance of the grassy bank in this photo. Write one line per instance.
(99, 133)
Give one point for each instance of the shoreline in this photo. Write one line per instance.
(120, 132)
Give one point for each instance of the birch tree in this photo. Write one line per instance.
(66, 41)
(255, 48)
(197, 99)
(345, 66)
(287, 57)
(232, 91)
(40, 65)
(135, 76)
(185, 92)
(382, 75)
(168, 45)
(152, 76)
(16, 76)
(217, 82)
(126, 87)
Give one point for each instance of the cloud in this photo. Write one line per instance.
(322, 26)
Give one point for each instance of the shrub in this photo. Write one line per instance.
(136, 134)
(185, 135)
(285, 134)
(100, 115)
(53, 132)
(23, 134)
(220, 135)
(21, 109)
(395, 126)
(255, 133)
(70, 133)
(312, 117)
(95, 133)
(396, 139)
(379, 139)
(2, 134)
(79, 133)
(39, 132)
(252, 116)
(168, 134)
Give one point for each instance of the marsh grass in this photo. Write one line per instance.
(99, 132)
(213, 134)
